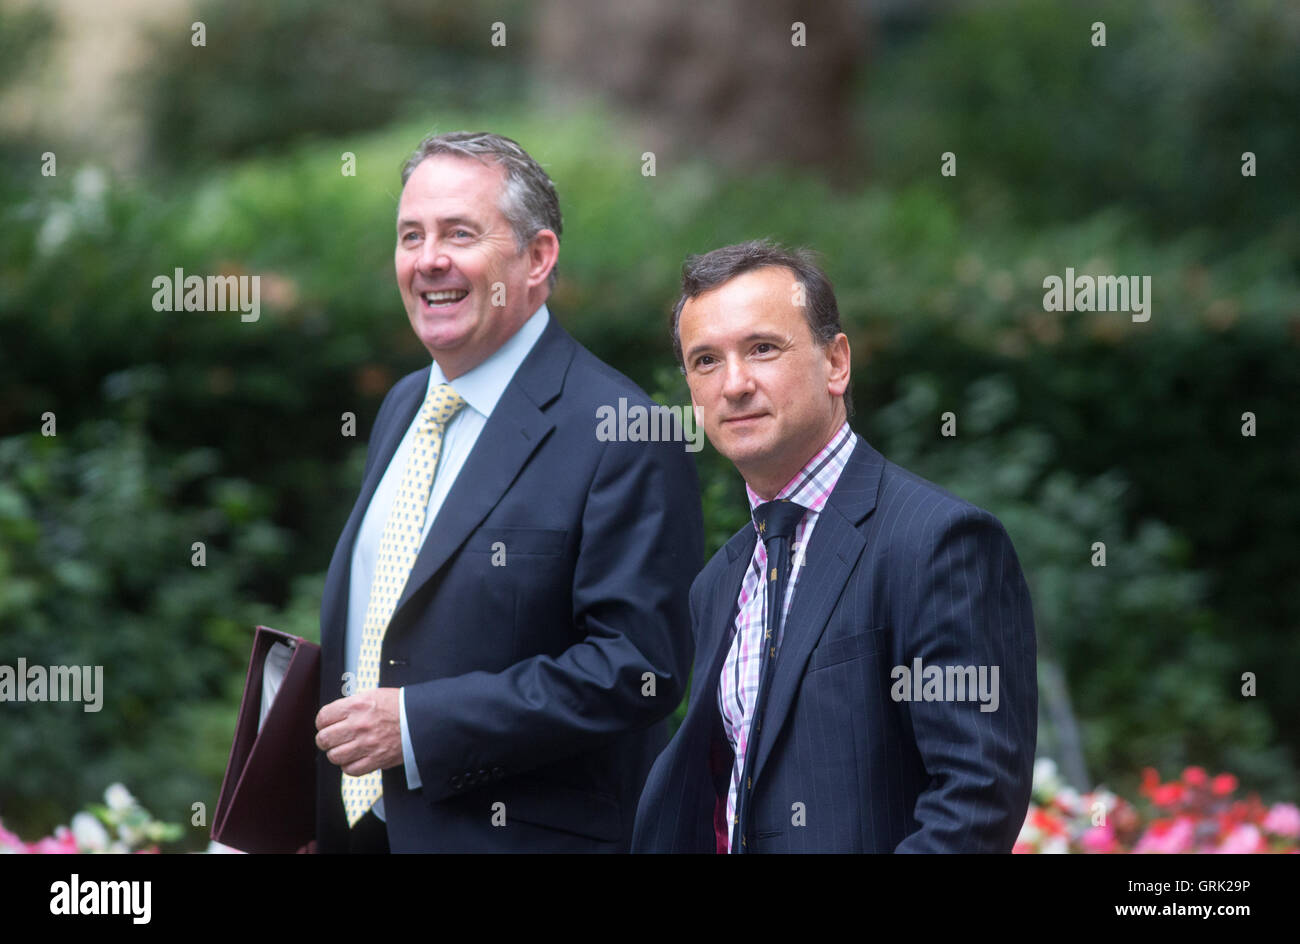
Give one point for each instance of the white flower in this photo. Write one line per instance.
(131, 835)
(1047, 779)
(118, 798)
(58, 226)
(1068, 800)
(216, 848)
(90, 183)
(1055, 845)
(89, 833)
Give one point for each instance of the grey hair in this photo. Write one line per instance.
(705, 272)
(528, 200)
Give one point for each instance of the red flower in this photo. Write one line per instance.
(1047, 823)
(1150, 780)
(1159, 827)
(1168, 794)
(1194, 776)
(1223, 784)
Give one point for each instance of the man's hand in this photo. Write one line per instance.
(362, 732)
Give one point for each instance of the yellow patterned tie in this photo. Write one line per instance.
(398, 549)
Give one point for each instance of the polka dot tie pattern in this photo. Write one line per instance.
(398, 548)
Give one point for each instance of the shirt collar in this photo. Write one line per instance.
(812, 485)
(482, 386)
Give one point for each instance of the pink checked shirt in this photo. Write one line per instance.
(738, 684)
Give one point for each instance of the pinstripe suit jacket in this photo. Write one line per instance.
(897, 570)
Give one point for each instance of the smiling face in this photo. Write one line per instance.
(769, 397)
(466, 286)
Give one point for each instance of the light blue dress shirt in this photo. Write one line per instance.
(481, 388)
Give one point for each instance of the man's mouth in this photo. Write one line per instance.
(743, 418)
(444, 297)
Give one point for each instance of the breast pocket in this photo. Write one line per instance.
(505, 543)
(869, 643)
(526, 584)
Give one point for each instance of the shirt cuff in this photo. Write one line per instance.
(408, 752)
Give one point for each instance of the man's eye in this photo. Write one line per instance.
(461, 234)
(763, 347)
(406, 237)
(704, 360)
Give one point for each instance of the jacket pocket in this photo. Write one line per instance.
(846, 648)
(559, 806)
(528, 542)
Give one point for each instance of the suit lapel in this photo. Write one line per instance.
(512, 433)
(716, 640)
(691, 745)
(833, 552)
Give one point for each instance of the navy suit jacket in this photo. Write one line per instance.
(897, 569)
(526, 684)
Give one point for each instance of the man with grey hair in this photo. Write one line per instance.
(504, 624)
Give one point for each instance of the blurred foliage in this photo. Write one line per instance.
(96, 533)
(176, 427)
(1156, 120)
(24, 32)
(299, 68)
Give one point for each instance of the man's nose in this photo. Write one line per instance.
(737, 381)
(433, 258)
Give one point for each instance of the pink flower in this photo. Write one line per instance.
(1283, 819)
(1167, 837)
(9, 842)
(1099, 839)
(1194, 776)
(61, 843)
(1245, 838)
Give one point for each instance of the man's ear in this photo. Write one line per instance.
(838, 359)
(543, 251)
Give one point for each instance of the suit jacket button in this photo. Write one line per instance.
(455, 781)
(482, 776)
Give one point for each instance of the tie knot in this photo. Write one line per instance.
(778, 519)
(441, 405)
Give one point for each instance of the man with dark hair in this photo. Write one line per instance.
(504, 624)
(865, 673)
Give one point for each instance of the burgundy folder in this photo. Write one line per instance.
(268, 796)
